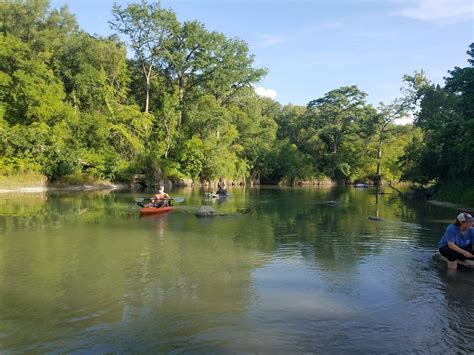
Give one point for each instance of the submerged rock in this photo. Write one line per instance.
(207, 211)
(465, 263)
(331, 202)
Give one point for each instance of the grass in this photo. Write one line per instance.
(78, 179)
(35, 180)
(456, 194)
(26, 180)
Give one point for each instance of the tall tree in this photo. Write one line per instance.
(333, 129)
(149, 29)
(384, 128)
(94, 72)
(203, 62)
(446, 117)
(337, 114)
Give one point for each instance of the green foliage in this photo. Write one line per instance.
(71, 107)
(446, 117)
(457, 191)
(19, 179)
(286, 162)
(334, 131)
(77, 178)
(418, 163)
(60, 162)
(172, 170)
(31, 93)
(257, 131)
(10, 166)
(396, 142)
(192, 157)
(149, 30)
(94, 72)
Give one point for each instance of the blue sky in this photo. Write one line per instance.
(312, 47)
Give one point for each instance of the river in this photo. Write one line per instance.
(287, 270)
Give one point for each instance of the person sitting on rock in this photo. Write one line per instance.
(457, 241)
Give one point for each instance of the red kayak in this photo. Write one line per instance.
(155, 210)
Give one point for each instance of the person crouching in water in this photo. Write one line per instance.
(457, 240)
(160, 199)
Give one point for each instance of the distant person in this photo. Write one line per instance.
(457, 240)
(160, 199)
(221, 190)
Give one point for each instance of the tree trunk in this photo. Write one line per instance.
(181, 99)
(147, 74)
(147, 99)
(379, 156)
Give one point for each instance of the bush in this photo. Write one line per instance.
(457, 193)
(60, 162)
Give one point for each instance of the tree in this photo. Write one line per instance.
(253, 118)
(414, 90)
(202, 62)
(189, 65)
(384, 129)
(334, 130)
(337, 114)
(149, 29)
(93, 71)
(446, 117)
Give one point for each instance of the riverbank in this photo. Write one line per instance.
(66, 188)
(34, 182)
(458, 193)
(455, 206)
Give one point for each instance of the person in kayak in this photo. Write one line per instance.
(221, 190)
(456, 243)
(160, 199)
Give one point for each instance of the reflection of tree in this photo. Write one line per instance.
(159, 221)
(193, 268)
(330, 226)
(377, 203)
(32, 211)
(88, 278)
(82, 264)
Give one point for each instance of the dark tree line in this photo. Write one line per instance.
(445, 114)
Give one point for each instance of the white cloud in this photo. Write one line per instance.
(446, 11)
(266, 92)
(268, 40)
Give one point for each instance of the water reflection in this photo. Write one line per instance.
(287, 270)
(159, 222)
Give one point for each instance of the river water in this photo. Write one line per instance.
(287, 270)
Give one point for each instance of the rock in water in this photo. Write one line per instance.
(206, 211)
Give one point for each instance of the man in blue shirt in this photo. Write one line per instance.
(457, 241)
